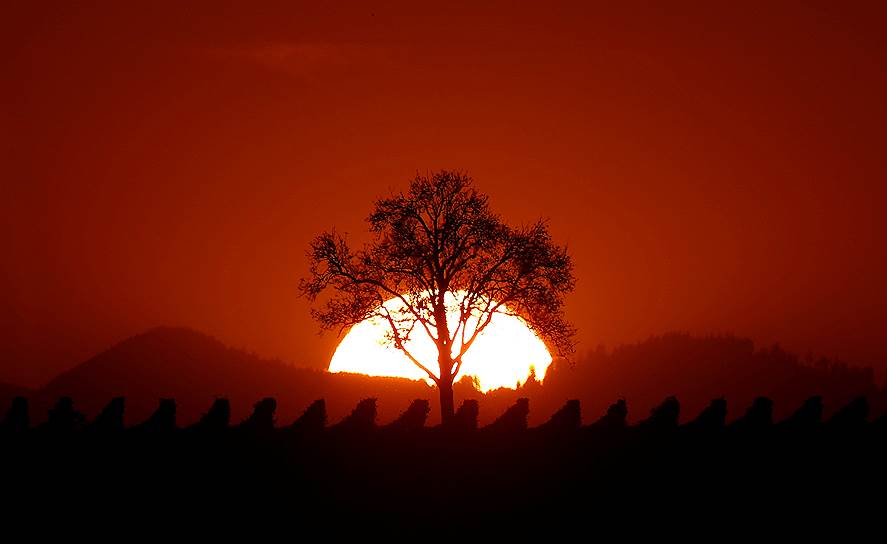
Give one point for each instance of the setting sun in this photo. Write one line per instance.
(502, 356)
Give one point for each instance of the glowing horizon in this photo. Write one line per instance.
(503, 355)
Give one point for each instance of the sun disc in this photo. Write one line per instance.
(502, 356)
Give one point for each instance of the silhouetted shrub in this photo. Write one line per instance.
(614, 420)
(711, 418)
(759, 416)
(262, 418)
(413, 418)
(63, 417)
(163, 420)
(663, 417)
(362, 418)
(851, 416)
(312, 420)
(513, 420)
(805, 418)
(110, 419)
(17, 419)
(465, 418)
(217, 419)
(568, 418)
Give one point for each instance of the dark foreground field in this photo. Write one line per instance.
(409, 478)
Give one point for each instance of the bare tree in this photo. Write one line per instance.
(438, 249)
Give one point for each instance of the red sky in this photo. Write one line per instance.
(712, 169)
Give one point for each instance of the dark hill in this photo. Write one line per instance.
(194, 369)
(699, 369)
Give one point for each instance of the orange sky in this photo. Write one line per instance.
(712, 169)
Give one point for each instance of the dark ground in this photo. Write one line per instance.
(800, 474)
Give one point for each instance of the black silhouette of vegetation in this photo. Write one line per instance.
(412, 418)
(614, 420)
(853, 416)
(163, 420)
(18, 418)
(63, 418)
(807, 417)
(567, 419)
(664, 417)
(465, 418)
(758, 417)
(110, 419)
(262, 418)
(313, 420)
(359, 470)
(712, 418)
(513, 420)
(362, 419)
(217, 419)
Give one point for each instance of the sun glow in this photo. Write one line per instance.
(502, 356)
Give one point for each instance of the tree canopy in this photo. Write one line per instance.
(437, 250)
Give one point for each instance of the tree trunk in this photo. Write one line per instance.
(445, 362)
(446, 402)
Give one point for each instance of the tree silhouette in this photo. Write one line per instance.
(438, 251)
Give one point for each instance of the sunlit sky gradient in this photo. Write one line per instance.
(712, 168)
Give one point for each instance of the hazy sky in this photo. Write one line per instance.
(712, 169)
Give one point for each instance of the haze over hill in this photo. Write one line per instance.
(195, 368)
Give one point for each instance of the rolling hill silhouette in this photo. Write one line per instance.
(195, 369)
(698, 369)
